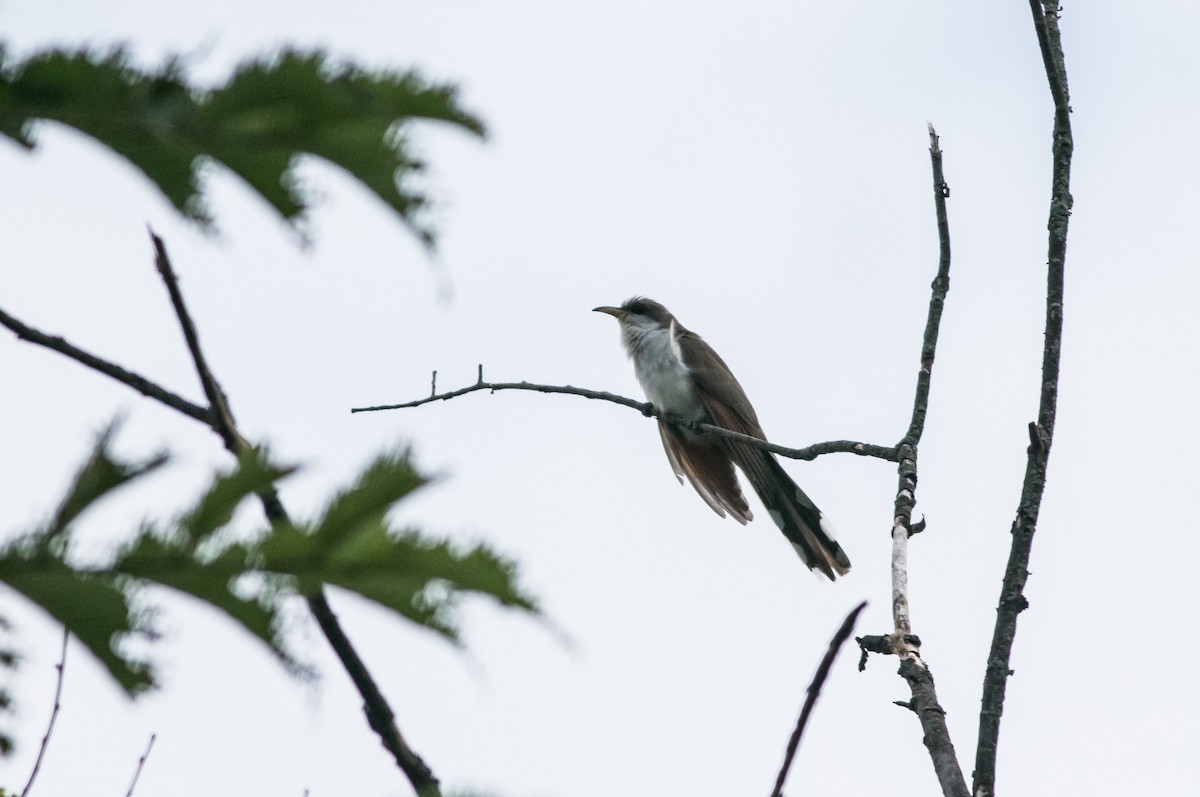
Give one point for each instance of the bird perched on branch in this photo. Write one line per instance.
(683, 376)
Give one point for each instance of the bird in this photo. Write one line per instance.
(683, 377)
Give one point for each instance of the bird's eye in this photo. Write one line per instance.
(636, 307)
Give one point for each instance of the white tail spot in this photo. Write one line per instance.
(827, 527)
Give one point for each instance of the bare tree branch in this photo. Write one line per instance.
(650, 411)
(933, 724)
(223, 422)
(37, 763)
(1041, 434)
(902, 643)
(135, 381)
(813, 692)
(137, 773)
(912, 668)
(907, 449)
(379, 714)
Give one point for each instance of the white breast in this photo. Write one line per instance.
(660, 369)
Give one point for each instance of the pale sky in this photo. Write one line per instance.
(761, 168)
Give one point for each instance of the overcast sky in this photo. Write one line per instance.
(761, 168)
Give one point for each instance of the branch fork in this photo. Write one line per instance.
(219, 417)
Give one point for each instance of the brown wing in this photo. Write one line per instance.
(716, 381)
(709, 470)
(726, 405)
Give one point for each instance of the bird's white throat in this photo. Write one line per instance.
(658, 364)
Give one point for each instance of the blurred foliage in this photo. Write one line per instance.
(8, 661)
(270, 112)
(351, 546)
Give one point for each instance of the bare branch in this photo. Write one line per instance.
(902, 642)
(374, 704)
(135, 381)
(814, 691)
(650, 411)
(643, 407)
(933, 723)
(1012, 598)
(37, 763)
(924, 704)
(940, 287)
(137, 773)
(906, 493)
(379, 714)
(223, 422)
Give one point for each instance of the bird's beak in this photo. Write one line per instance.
(615, 312)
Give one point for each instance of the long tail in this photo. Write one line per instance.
(795, 514)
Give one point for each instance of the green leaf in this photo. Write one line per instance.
(95, 608)
(269, 113)
(9, 658)
(149, 118)
(422, 578)
(253, 474)
(213, 581)
(272, 110)
(353, 547)
(250, 579)
(99, 475)
(388, 479)
(192, 557)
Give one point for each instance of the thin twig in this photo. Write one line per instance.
(937, 301)
(141, 763)
(379, 714)
(814, 691)
(1012, 597)
(223, 422)
(650, 411)
(61, 666)
(135, 381)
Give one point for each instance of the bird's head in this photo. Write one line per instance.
(640, 313)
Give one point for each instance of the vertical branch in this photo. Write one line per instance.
(902, 643)
(907, 448)
(937, 301)
(37, 764)
(1041, 433)
(379, 714)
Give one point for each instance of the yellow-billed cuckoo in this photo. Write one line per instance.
(682, 375)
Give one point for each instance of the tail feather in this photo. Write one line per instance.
(794, 513)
